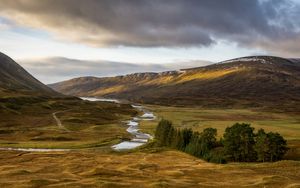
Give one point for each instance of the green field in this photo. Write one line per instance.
(288, 125)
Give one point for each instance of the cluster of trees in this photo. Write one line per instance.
(203, 145)
(239, 143)
(242, 144)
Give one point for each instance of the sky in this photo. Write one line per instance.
(57, 40)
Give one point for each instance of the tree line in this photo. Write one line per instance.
(239, 143)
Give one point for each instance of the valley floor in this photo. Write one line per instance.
(63, 124)
(287, 124)
(149, 168)
(92, 163)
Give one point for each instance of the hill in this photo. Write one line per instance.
(249, 81)
(16, 81)
(34, 115)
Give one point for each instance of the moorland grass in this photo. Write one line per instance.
(144, 168)
(96, 165)
(88, 124)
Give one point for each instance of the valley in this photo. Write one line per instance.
(287, 124)
(48, 139)
(83, 124)
(91, 162)
(149, 94)
(266, 82)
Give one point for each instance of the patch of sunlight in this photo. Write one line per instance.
(104, 91)
(206, 75)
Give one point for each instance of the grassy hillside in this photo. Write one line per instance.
(16, 81)
(86, 124)
(27, 119)
(244, 82)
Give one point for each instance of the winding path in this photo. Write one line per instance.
(58, 122)
(138, 140)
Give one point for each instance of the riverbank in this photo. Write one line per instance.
(138, 138)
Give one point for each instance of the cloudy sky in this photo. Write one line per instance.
(61, 39)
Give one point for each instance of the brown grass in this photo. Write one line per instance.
(138, 169)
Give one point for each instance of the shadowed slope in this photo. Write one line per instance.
(249, 81)
(15, 80)
(33, 115)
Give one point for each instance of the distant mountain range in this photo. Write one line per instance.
(16, 81)
(257, 81)
(249, 81)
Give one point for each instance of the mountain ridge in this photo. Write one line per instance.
(15, 80)
(248, 81)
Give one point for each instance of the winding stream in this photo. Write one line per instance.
(33, 149)
(139, 138)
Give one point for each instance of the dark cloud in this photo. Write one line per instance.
(152, 23)
(50, 70)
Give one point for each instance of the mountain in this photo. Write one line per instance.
(34, 115)
(26, 102)
(249, 81)
(16, 81)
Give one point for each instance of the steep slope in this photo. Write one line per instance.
(30, 112)
(249, 81)
(16, 81)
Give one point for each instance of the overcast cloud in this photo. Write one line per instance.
(169, 23)
(137, 31)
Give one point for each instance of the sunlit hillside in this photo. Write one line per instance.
(250, 82)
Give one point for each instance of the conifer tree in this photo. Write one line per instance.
(193, 147)
(186, 136)
(277, 146)
(262, 146)
(239, 142)
(162, 132)
(208, 140)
